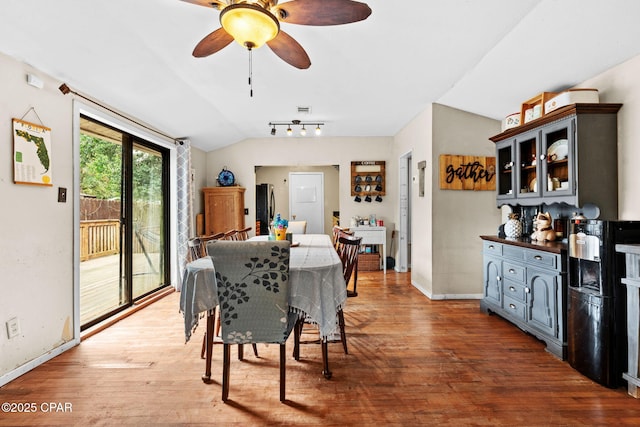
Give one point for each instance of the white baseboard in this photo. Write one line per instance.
(23, 369)
(444, 296)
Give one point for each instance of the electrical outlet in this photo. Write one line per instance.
(13, 327)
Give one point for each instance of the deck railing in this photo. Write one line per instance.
(99, 238)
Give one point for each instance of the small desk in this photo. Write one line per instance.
(373, 236)
(316, 289)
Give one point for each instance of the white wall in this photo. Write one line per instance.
(36, 250)
(241, 158)
(446, 259)
(621, 85)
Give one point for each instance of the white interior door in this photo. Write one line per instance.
(306, 200)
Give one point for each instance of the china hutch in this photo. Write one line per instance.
(565, 161)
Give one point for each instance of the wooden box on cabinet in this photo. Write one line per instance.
(223, 209)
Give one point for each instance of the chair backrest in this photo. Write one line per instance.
(297, 227)
(231, 235)
(244, 233)
(195, 248)
(252, 280)
(339, 231)
(348, 248)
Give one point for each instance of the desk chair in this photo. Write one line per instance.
(253, 290)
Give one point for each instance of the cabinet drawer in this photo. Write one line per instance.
(513, 272)
(541, 259)
(514, 290)
(514, 308)
(492, 248)
(513, 252)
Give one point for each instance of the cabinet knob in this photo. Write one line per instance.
(512, 289)
(538, 257)
(491, 247)
(512, 271)
(543, 156)
(527, 290)
(498, 278)
(512, 306)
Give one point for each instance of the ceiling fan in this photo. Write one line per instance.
(254, 23)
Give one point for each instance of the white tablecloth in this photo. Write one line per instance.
(316, 285)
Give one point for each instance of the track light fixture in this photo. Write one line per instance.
(303, 129)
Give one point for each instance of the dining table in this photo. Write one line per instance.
(317, 292)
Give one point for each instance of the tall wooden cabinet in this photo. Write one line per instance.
(223, 209)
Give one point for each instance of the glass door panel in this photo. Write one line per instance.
(557, 167)
(505, 175)
(528, 185)
(101, 244)
(148, 220)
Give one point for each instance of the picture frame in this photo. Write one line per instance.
(31, 153)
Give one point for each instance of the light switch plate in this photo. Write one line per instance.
(62, 195)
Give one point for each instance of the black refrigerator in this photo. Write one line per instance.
(596, 307)
(265, 208)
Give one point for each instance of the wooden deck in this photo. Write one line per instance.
(99, 284)
(411, 361)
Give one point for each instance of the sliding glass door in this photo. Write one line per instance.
(123, 220)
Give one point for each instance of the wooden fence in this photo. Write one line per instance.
(99, 238)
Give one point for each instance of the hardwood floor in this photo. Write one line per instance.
(411, 361)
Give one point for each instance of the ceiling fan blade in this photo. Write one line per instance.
(289, 51)
(321, 12)
(212, 43)
(216, 4)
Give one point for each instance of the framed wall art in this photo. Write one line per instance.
(31, 153)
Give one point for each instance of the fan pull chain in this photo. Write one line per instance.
(250, 72)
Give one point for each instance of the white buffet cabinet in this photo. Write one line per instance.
(373, 236)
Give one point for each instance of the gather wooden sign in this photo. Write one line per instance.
(467, 173)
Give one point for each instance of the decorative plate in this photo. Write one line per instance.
(226, 178)
(533, 185)
(559, 149)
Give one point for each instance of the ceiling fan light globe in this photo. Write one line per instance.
(250, 26)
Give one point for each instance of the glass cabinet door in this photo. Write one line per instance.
(529, 176)
(505, 167)
(557, 154)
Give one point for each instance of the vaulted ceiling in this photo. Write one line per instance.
(366, 79)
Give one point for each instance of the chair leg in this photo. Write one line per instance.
(255, 349)
(343, 334)
(226, 362)
(297, 333)
(283, 371)
(240, 351)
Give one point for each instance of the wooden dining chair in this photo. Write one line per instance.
(253, 290)
(339, 231)
(348, 249)
(231, 235)
(243, 234)
(195, 248)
